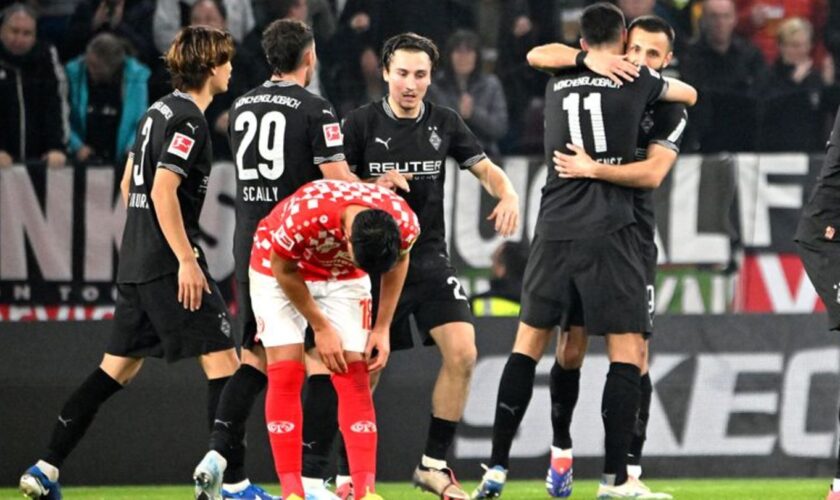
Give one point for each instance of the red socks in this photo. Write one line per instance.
(284, 419)
(357, 421)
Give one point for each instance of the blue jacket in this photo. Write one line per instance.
(134, 103)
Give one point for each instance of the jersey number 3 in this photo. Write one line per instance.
(591, 103)
(272, 132)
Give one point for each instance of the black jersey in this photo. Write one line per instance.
(279, 133)
(662, 124)
(821, 215)
(173, 134)
(377, 141)
(592, 112)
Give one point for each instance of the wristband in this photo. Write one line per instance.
(580, 57)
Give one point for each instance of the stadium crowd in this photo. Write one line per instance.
(768, 66)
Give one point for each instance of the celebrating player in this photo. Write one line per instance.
(308, 265)
(403, 133)
(167, 305)
(586, 264)
(815, 236)
(282, 137)
(650, 42)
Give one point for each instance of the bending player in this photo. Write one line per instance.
(650, 42)
(308, 265)
(586, 258)
(167, 306)
(403, 133)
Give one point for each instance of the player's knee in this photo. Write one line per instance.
(462, 359)
(572, 357)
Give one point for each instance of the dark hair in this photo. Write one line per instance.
(109, 50)
(462, 38)
(284, 42)
(411, 42)
(514, 256)
(375, 237)
(280, 9)
(216, 3)
(194, 53)
(654, 24)
(601, 23)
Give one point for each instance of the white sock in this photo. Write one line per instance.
(432, 463)
(312, 483)
(560, 452)
(49, 470)
(341, 480)
(236, 487)
(634, 471)
(608, 479)
(835, 485)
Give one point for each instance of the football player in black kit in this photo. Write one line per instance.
(817, 239)
(649, 41)
(282, 137)
(403, 133)
(167, 305)
(586, 264)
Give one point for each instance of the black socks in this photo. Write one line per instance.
(564, 386)
(515, 390)
(320, 425)
(619, 410)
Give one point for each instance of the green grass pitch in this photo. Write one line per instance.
(681, 489)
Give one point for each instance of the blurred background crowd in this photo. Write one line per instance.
(76, 75)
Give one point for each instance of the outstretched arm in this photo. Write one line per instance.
(497, 184)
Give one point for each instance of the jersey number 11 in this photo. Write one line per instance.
(591, 103)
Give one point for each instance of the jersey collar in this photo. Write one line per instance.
(390, 112)
(278, 83)
(183, 95)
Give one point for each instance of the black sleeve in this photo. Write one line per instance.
(56, 129)
(183, 145)
(669, 121)
(464, 146)
(354, 144)
(325, 133)
(654, 84)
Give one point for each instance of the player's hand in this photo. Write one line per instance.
(394, 180)
(54, 158)
(506, 215)
(575, 166)
(5, 159)
(615, 67)
(84, 153)
(328, 345)
(380, 340)
(191, 284)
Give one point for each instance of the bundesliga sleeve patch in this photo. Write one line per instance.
(181, 145)
(332, 135)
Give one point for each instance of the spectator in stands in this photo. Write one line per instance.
(108, 96)
(213, 13)
(759, 21)
(130, 20)
(346, 59)
(727, 71)
(832, 31)
(794, 95)
(508, 268)
(478, 97)
(361, 84)
(53, 18)
(33, 119)
(172, 15)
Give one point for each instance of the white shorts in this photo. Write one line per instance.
(346, 303)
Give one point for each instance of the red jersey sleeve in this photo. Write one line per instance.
(407, 222)
(286, 238)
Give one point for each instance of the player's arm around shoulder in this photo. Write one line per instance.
(553, 57)
(679, 91)
(498, 185)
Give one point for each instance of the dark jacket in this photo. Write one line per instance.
(33, 103)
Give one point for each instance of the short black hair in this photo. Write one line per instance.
(284, 42)
(654, 24)
(601, 23)
(409, 41)
(375, 237)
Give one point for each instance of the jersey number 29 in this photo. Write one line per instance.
(591, 103)
(272, 132)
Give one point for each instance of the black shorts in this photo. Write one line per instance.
(598, 282)
(150, 322)
(822, 263)
(433, 300)
(247, 321)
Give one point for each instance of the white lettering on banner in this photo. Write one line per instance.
(713, 400)
(105, 218)
(802, 300)
(475, 249)
(49, 231)
(795, 439)
(757, 196)
(218, 220)
(686, 243)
